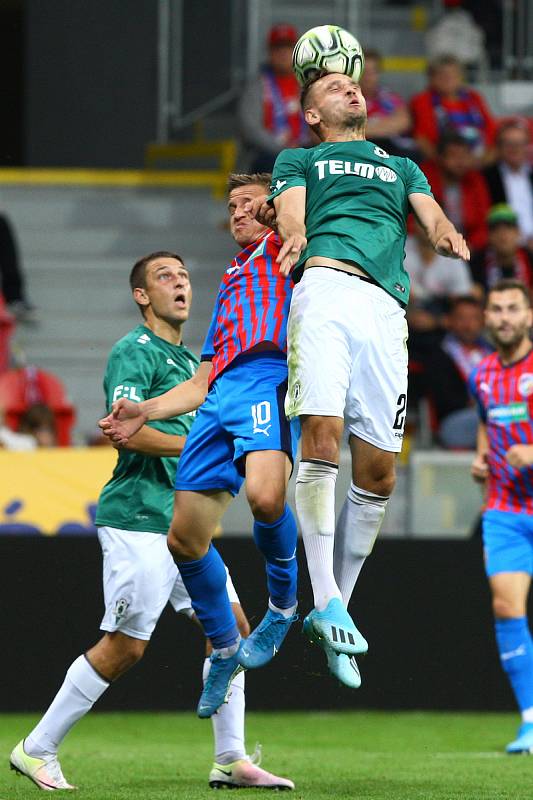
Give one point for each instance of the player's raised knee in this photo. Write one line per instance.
(266, 503)
(504, 608)
(182, 547)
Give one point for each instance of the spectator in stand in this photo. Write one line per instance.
(39, 421)
(270, 116)
(457, 32)
(12, 279)
(434, 284)
(503, 257)
(388, 116)
(448, 105)
(459, 188)
(510, 179)
(446, 371)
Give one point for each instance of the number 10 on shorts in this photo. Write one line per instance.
(261, 415)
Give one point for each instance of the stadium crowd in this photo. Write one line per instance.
(480, 172)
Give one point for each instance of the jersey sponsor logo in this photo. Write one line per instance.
(278, 185)
(399, 288)
(386, 174)
(525, 384)
(261, 416)
(506, 415)
(231, 270)
(381, 153)
(130, 392)
(143, 338)
(337, 167)
(172, 363)
(484, 387)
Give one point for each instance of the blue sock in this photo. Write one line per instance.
(516, 654)
(277, 542)
(205, 580)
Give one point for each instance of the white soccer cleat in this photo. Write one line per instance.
(246, 774)
(44, 772)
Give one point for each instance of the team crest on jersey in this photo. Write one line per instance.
(121, 606)
(525, 384)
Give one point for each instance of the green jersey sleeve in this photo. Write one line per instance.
(129, 374)
(289, 171)
(415, 180)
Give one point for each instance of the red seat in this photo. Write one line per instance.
(22, 388)
(7, 326)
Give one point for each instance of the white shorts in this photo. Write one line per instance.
(347, 355)
(140, 578)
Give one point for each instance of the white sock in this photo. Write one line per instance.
(285, 612)
(315, 507)
(357, 528)
(228, 722)
(80, 690)
(527, 715)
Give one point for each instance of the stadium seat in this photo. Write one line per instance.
(7, 326)
(22, 388)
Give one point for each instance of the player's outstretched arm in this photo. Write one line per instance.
(520, 456)
(151, 442)
(480, 468)
(127, 417)
(442, 234)
(290, 217)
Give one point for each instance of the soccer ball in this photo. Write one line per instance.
(327, 48)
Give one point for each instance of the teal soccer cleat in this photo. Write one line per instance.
(265, 641)
(341, 666)
(217, 686)
(335, 626)
(523, 744)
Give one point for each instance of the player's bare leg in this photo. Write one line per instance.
(86, 680)
(267, 475)
(509, 604)
(196, 518)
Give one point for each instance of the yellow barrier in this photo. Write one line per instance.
(47, 490)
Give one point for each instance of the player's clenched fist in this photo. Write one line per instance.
(520, 455)
(479, 469)
(125, 420)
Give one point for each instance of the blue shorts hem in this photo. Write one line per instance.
(184, 486)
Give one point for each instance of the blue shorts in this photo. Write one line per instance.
(508, 542)
(243, 412)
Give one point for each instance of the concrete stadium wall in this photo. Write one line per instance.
(91, 82)
(424, 607)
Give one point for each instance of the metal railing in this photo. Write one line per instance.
(517, 39)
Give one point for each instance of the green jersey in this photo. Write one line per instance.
(356, 206)
(140, 494)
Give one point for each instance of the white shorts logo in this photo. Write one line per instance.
(121, 606)
(261, 416)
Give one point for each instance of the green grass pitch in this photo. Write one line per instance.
(363, 755)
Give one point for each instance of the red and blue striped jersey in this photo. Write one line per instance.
(504, 394)
(252, 305)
